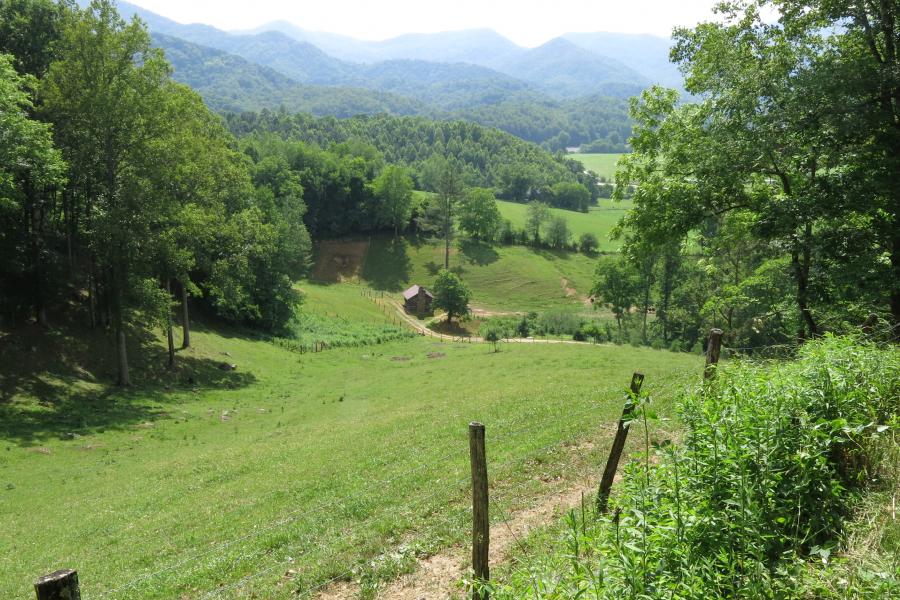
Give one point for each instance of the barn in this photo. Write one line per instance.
(418, 301)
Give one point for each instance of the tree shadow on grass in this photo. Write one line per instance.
(553, 253)
(387, 265)
(60, 382)
(478, 253)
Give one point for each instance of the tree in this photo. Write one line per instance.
(104, 98)
(538, 213)
(29, 30)
(479, 215)
(519, 181)
(31, 174)
(588, 243)
(451, 294)
(558, 232)
(571, 196)
(492, 333)
(393, 192)
(616, 286)
(797, 124)
(441, 211)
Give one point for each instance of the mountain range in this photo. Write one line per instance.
(476, 74)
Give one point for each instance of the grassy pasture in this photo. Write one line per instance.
(280, 475)
(599, 220)
(603, 165)
(502, 278)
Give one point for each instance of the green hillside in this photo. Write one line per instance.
(603, 165)
(292, 469)
(599, 220)
(502, 278)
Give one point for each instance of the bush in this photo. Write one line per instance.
(558, 322)
(774, 460)
(588, 243)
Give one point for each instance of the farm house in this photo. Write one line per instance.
(417, 301)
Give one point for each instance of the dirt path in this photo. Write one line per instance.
(423, 329)
(438, 577)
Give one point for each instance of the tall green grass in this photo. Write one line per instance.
(756, 500)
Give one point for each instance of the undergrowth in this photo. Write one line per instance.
(310, 331)
(784, 486)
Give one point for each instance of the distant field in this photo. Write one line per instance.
(603, 165)
(502, 278)
(287, 472)
(599, 220)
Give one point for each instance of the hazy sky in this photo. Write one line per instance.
(526, 22)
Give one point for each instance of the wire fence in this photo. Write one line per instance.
(317, 538)
(513, 437)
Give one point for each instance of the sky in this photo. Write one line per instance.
(526, 22)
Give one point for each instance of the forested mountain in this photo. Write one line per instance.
(305, 63)
(646, 54)
(430, 63)
(487, 157)
(566, 70)
(229, 82)
(558, 95)
(559, 124)
(483, 47)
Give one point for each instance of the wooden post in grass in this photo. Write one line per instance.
(481, 533)
(62, 585)
(615, 453)
(713, 349)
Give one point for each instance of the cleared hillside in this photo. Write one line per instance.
(291, 470)
(603, 165)
(599, 220)
(502, 278)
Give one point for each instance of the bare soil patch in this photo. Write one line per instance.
(340, 261)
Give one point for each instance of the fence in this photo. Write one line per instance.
(64, 584)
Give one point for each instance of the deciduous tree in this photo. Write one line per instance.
(451, 294)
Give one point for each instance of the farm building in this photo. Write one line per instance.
(417, 301)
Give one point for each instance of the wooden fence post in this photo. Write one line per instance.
(62, 585)
(615, 453)
(481, 533)
(713, 349)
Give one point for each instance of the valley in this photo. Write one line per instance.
(342, 301)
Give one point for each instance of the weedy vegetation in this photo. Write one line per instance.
(783, 486)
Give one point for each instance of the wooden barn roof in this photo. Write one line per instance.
(414, 291)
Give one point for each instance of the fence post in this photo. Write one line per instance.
(61, 585)
(480, 524)
(713, 349)
(615, 453)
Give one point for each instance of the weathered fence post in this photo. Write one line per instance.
(62, 585)
(615, 453)
(481, 533)
(713, 349)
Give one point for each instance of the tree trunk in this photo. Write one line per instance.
(170, 337)
(895, 290)
(185, 318)
(36, 219)
(119, 323)
(646, 308)
(800, 260)
(92, 299)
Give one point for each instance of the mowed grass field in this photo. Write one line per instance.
(603, 165)
(599, 220)
(502, 278)
(280, 476)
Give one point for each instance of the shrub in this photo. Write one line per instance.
(558, 322)
(774, 460)
(588, 243)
